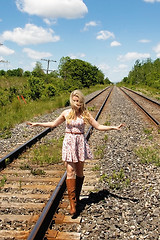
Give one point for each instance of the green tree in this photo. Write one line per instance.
(2, 73)
(36, 87)
(38, 71)
(27, 74)
(80, 73)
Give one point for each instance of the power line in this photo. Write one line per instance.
(3, 61)
(48, 61)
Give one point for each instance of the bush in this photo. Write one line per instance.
(36, 87)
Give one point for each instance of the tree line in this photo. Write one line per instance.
(71, 74)
(146, 73)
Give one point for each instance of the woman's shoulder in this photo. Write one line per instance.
(66, 112)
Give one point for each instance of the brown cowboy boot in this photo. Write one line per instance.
(71, 186)
(79, 183)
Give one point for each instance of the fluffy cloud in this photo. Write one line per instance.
(53, 8)
(120, 68)
(104, 68)
(78, 55)
(157, 50)
(35, 54)
(5, 50)
(115, 44)
(151, 1)
(49, 21)
(104, 35)
(133, 56)
(31, 34)
(90, 24)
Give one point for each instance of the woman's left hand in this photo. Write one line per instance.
(120, 125)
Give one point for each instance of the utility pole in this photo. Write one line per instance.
(3, 61)
(48, 61)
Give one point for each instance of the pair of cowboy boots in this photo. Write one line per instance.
(74, 187)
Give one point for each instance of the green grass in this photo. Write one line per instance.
(3, 180)
(48, 153)
(7, 82)
(144, 90)
(96, 168)
(93, 108)
(117, 180)
(99, 152)
(149, 155)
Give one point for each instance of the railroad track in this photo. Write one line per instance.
(150, 107)
(60, 216)
(23, 193)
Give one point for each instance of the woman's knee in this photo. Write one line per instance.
(79, 169)
(70, 171)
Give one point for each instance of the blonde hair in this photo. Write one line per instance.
(83, 110)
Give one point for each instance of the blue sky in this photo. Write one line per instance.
(110, 34)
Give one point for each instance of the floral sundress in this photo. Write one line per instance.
(75, 147)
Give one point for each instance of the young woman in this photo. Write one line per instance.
(75, 147)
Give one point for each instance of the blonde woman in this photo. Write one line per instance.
(75, 147)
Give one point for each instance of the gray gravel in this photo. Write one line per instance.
(131, 212)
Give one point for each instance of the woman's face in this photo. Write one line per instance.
(76, 102)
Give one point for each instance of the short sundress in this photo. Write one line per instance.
(75, 147)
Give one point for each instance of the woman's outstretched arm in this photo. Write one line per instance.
(101, 127)
(53, 124)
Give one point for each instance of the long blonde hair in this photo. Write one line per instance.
(83, 110)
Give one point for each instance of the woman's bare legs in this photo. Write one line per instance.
(74, 169)
(79, 169)
(71, 186)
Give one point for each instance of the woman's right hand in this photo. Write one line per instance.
(31, 124)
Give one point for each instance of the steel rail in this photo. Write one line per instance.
(152, 118)
(45, 219)
(153, 101)
(15, 153)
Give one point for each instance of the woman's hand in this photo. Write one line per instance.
(31, 124)
(119, 127)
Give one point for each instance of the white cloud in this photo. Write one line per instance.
(151, 1)
(121, 68)
(5, 50)
(35, 54)
(76, 56)
(133, 56)
(115, 44)
(104, 35)
(157, 50)
(1, 59)
(105, 68)
(116, 73)
(53, 8)
(144, 41)
(90, 24)
(31, 34)
(49, 21)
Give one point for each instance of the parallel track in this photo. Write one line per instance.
(143, 106)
